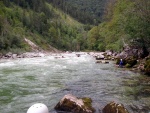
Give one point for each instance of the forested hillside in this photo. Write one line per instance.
(49, 22)
(127, 22)
(39, 22)
(85, 11)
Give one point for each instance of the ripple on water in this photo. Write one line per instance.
(24, 82)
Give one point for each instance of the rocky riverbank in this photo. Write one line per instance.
(23, 55)
(134, 59)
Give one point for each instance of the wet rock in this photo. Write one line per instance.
(14, 56)
(141, 67)
(130, 62)
(30, 55)
(100, 57)
(102, 61)
(8, 55)
(122, 55)
(132, 51)
(114, 108)
(147, 66)
(98, 61)
(142, 52)
(78, 55)
(109, 55)
(70, 103)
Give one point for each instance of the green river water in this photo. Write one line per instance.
(26, 81)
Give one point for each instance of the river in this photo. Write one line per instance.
(26, 81)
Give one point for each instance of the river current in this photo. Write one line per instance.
(27, 81)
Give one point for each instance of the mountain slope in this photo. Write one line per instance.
(39, 22)
(126, 22)
(85, 11)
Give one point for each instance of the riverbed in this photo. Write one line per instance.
(47, 79)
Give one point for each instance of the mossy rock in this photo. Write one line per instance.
(130, 62)
(128, 66)
(117, 61)
(88, 103)
(70, 103)
(147, 66)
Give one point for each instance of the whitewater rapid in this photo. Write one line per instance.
(47, 79)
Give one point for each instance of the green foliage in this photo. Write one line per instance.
(138, 24)
(95, 41)
(113, 30)
(93, 35)
(41, 23)
(85, 11)
(115, 46)
(127, 22)
(10, 41)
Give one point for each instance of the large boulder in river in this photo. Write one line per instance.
(131, 55)
(130, 62)
(100, 57)
(114, 108)
(70, 103)
(128, 52)
(133, 51)
(108, 55)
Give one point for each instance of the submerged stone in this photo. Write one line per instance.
(102, 61)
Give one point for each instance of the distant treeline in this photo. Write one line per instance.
(85, 11)
(46, 22)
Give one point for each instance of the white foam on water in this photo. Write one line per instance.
(33, 60)
(44, 79)
(7, 64)
(76, 60)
